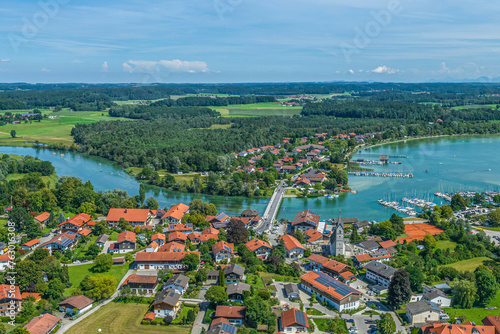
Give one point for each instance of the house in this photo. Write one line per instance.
(177, 237)
(380, 256)
(152, 247)
(261, 248)
(36, 296)
(210, 230)
(465, 328)
(306, 220)
(329, 266)
(159, 260)
(194, 238)
(118, 261)
(135, 217)
(249, 213)
(492, 321)
(76, 305)
(126, 243)
(159, 238)
(387, 244)
(379, 289)
(328, 289)
(172, 247)
(369, 245)
(5, 261)
(84, 232)
(141, 283)
(75, 223)
(234, 274)
(101, 241)
(300, 182)
(179, 283)
(234, 314)
(361, 225)
(221, 326)
(235, 291)
(346, 277)
(223, 251)
(32, 244)
(294, 248)
(43, 324)
(184, 228)
(293, 321)
(43, 219)
(438, 297)
(314, 176)
(422, 312)
(292, 291)
(213, 276)
(10, 299)
(61, 242)
(219, 221)
(175, 213)
(313, 236)
(166, 304)
(379, 273)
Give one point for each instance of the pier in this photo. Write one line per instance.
(382, 155)
(377, 174)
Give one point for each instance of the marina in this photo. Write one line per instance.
(379, 174)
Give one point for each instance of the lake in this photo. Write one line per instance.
(454, 163)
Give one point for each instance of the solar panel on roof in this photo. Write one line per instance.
(328, 281)
(171, 294)
(299, 315)
(228, 328)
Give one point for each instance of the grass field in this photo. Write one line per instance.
(52, 179)
(313, 311)
(475, 106)
(77, 273)
(122, 318)
(476, 314)
(258, 110)
(322, 324)
(51, 131)
(255, 281)
(470, 264)
(279, 278)
(491, 228)
(445, 244)
(113, 236)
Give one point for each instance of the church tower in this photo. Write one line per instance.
(337, 242)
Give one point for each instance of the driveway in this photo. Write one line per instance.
(198, 323)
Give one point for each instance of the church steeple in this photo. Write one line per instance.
(340, 222)
(337, 242)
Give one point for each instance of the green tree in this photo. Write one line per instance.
(397, 223)
(103, 286)
(55, 290)
(336, 326)
(190, 317)
(201, 276)
(446, 211)
(464, 294)
(216, 294)
(494, 217)
(13, 133)
(417, 277)
(386, 324)
(429, 242)
(458, 203)
(93, 250)
(222, 278)
(191, 261)
(142, 193)
(399, 288)
(236, 231)
(257, 311)
(152, 203)
(3, 330)
(102, 263)
(486, 284)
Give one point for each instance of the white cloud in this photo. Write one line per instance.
(176, 65)
(105, 67)
(45, 70)
(4, 60)
(384, 70)
(351, 71)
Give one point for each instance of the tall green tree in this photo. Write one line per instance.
(103, 263)
(386, 324)
(216, 294)
(486, 284)
(399, 288)
(464, 294)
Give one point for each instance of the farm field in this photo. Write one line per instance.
(257, 110)
(127, 320)
(470, 264)
(51, 131)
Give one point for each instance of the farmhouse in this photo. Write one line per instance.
(175, 213)
(141, 283)
(223, 251)
(294, 248)
(166, 303)
(293, 321)
(75, 224)
(179, 283)
(126, 243)
(261, 248)
(234, 314)
(135, 217)
(43, 324)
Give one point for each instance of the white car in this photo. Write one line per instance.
(444, 316)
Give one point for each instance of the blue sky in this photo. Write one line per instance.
(248, 40)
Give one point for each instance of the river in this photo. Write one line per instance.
(454, 163)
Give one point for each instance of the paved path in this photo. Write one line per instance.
(198, 323)
(65, 327)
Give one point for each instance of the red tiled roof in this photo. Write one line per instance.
(35, 295)
(387, 244)
(206, 237)
(141, 279)
(176, 211)
(329, 264)
(31, 243)
(127, 235)
(289, 318)
(313, 235)
(84, 232)
(130, 215)
(255, 244)
(180, 228)
(42, 324)
(347, 275)
(161, 256)
(5, 257)
(153, 244)
(43, 217)
(79, 220)
(158, 236)
(306, 216)
(230, 312)
(193, 235)
(172, 247)
(150, 316)
(221, 245)
(291, 242)
(492, 321)
(310, 278)
(92, 223)
(465, 328)
(366, 257)
(5, 292)
(210, 230)
(78, 302)
(177, 235)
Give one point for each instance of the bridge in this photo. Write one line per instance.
(272, 209)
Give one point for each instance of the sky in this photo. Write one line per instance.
(223, 41)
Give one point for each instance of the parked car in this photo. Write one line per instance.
(350, 320)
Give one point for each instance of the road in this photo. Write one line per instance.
(271, 209)
(491, 234)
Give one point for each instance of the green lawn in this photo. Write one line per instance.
(77, 273)
(113, 236)
(255, 281)
(51, 131)
(313, 311)
(279, 278)
(322, 324)
(445, 244)
(51, 179)
(476, 314)
(469, 265)
(183, 314)
(123, 318)
(492, 228)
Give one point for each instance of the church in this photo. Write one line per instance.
(339, 244)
